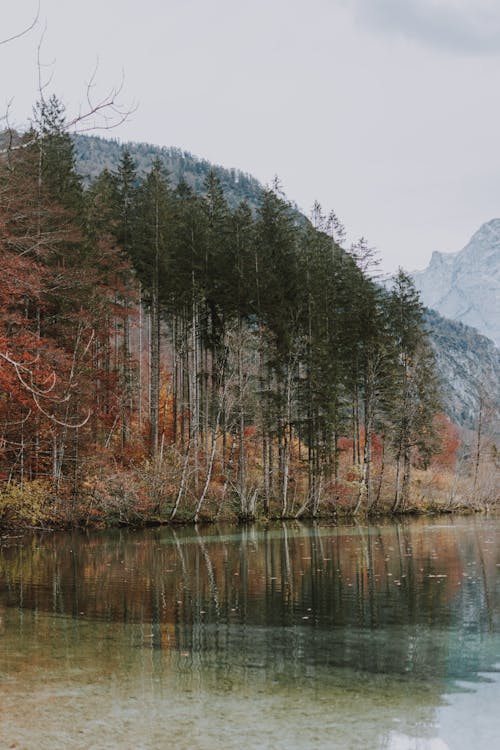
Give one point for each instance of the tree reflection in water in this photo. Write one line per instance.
(367, 623)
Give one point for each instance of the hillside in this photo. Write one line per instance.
(467, 363)
(465, 357)
(93, 154)
(465, 286)
(276, 356)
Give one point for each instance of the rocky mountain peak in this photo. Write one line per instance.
(465, 286)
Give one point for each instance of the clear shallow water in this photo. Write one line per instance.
(296, 637)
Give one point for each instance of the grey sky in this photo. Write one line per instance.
(461, 26)
(387, 111)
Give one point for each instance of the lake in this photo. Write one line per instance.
(295, 636)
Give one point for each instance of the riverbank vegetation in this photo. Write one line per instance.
(164, 357)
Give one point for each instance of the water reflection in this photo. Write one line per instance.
(359, 635)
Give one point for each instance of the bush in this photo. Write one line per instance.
(27, 504)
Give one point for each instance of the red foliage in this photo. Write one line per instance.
(377, 445)
(62, 306)
(344, 444)
(449, 437)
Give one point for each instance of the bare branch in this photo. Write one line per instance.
(21, 368)
(5, 117)
(20, 422)
(54, 419)
(41, 84)
(38, 393)
(24, 31)
(91, 338)
(105, 113)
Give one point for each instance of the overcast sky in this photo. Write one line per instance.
(387, 111)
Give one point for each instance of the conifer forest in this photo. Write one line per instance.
(165, 357)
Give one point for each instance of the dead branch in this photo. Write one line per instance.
(104, 113)
(37, 393)
(21, 368)
(24, 31)
(20, 422)
(54, 419)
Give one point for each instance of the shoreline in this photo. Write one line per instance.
(333, 519)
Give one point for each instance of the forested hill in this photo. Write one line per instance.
(223, 345)
(465, 357)
(173, 357)
(93, 154)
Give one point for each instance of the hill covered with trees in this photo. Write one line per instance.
(467, 361)
(173, 354)
(94, 154)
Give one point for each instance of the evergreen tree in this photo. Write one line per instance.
(58, 175)
(415, 395)
(150, 256)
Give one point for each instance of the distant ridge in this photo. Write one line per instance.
(93, 154)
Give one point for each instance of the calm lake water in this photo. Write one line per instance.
(294, 636)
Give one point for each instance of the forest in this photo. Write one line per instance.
(166, 357)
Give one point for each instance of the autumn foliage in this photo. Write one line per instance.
(164, 357)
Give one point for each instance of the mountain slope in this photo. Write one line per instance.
(468, 364)
(93, 154)
(465, 286)
(465, 358)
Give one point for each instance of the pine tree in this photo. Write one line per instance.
(57, 173)
(415, 396)
(151, 262)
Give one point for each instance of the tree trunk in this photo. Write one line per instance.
(194, 394)
(478, 442)
(154, 373)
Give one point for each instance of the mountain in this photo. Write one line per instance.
(465, 286)
(93, 154)
(468, 364)
(466, 360)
